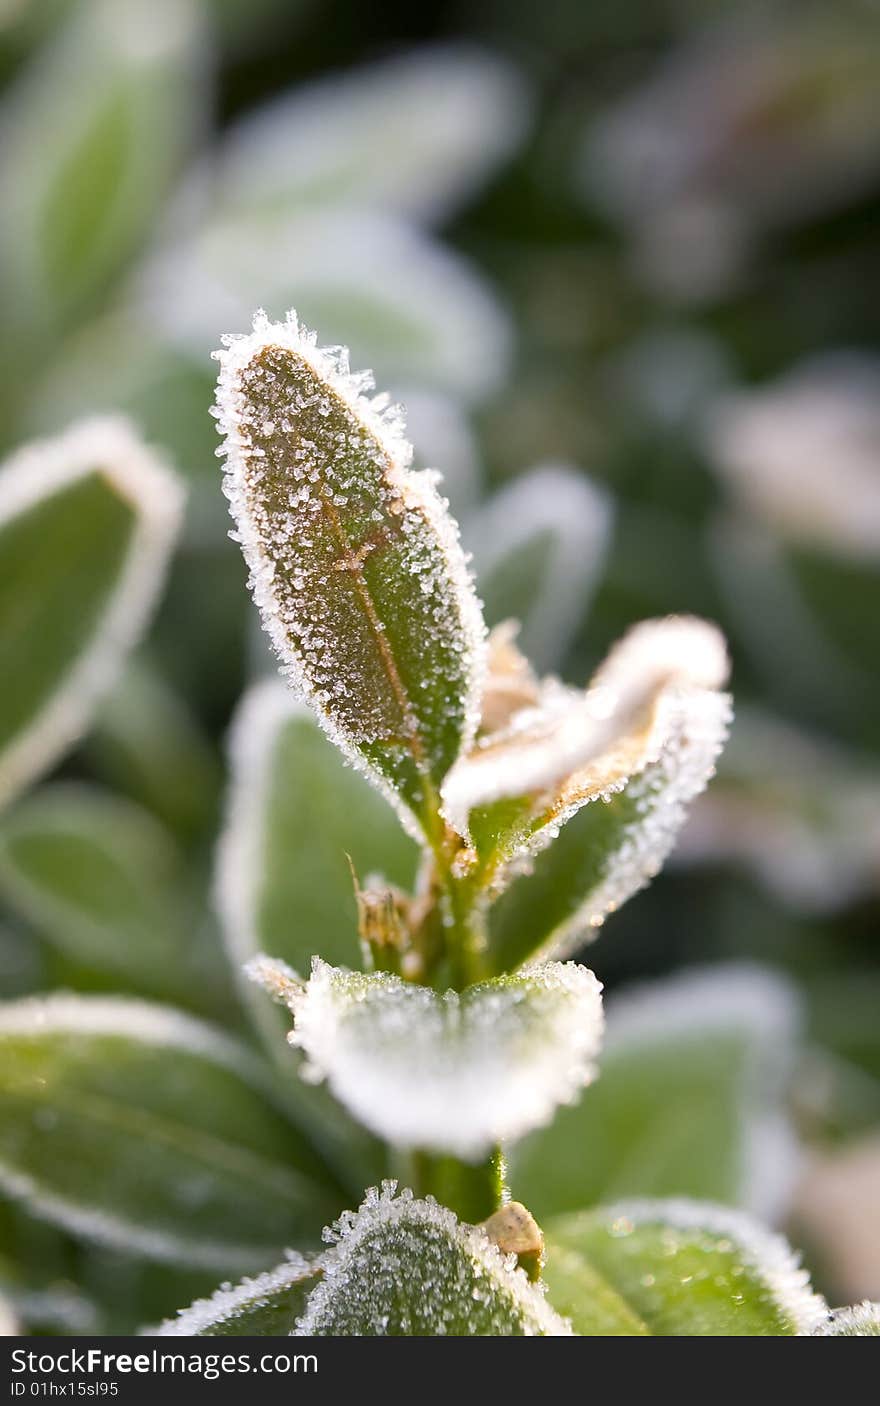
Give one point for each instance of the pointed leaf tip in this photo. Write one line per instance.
(355, 562)
(399, 1267)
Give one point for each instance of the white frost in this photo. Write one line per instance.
(449, 1073)
(306, 655)
(570, 731)
(860, 1321)
(110, 447)
(230, 1302)
(443, 1263)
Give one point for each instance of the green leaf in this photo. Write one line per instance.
(538, 547)
(395, 135)
(406, 1268)
(452, 1072)
(96, 131)
(147, 742)
(86, 527)
(143, 1129)
(355, 564)
(296, 816)
(264, 1307)
(676, 1269)
(860, 1321)
(103, 881)
(689, 1102)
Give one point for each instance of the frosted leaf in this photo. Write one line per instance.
(642, 740)
(448, 1072)
(395, 135)
(93, 135)
(265, 1306)
(87, 524)
(692, 1100)
(860, 1321)
(404, 1268)
(140, 1128)
(798, 812)
(677, 1268)
(510, 684)
(802, 454)
(355, 563)
(404, 304)
(538, 547)
(590, 742)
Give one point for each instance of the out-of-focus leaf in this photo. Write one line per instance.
(676, 1269)
(396, 135)
(298, 820)
(800, 813)
(103, 881)
(586, 792)
(356, 565)
(146, 741)
(454, 1073)
(405, 305)
(443, 439)
(138, 1127)
(538, 547)
(860, 1321)
(802, 454)
(402, 1268)
(87, 522)
(95, 132)
(689, 1102)
(264, 1307)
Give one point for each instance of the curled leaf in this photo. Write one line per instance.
(453, 1073)
(355, 563)
(405, 1268)
(587, 791)
(87, 522)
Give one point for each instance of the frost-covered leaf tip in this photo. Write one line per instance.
(355, 562)
(451, 1073)
(399, 1267)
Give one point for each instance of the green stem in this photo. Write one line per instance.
(472, 1191)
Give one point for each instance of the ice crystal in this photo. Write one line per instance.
(355, 564)
(399, 1267)
(860, 1321)
(111, 448)
(453, 1072)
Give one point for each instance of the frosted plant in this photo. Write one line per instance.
(421, 832)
